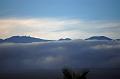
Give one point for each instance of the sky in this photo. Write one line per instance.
(54, 19)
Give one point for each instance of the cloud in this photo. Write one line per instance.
(54, 28)
(55, 55)
(104, 46)
(31, 26)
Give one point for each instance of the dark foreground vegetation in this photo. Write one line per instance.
(69, 74)
(64, 74)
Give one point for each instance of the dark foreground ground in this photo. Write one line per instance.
(57, 74)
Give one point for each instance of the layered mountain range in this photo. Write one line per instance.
(28, 39)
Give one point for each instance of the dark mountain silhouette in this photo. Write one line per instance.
(1, 40)
(24, 39)
(28, 39)
(64, 39)
(118, 39)
(98, 38)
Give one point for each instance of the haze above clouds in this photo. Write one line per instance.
(55, 28)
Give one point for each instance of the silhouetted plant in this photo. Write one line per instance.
(69, 74)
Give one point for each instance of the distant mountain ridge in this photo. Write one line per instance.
(28, 39)
(24, 39)
(1, 40)
(99, 38)
(118, 39)
(64, 39)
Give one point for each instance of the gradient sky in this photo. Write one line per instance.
(54, 19)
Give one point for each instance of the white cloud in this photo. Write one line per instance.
(53, 28)
(104, 46)
(75, 54)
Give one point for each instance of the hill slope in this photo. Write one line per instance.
(24, 39)
(98, 38)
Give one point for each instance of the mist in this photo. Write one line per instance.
(17, 57)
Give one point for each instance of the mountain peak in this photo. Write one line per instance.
(63, 39)
(23, 39)
(98, 38)
(1, 40)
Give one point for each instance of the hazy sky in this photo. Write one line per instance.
(54, 19)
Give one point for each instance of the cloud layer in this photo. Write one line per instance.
(55, 55)
(54, 28)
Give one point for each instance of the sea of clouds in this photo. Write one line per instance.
(59, 54)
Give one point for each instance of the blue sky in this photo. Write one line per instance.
(87, 17)
(84, 9)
